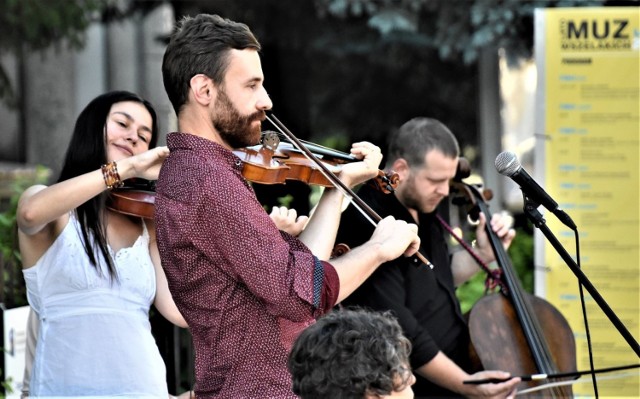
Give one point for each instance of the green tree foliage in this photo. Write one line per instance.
(33, 25)
(457, 28)
(13, 291)
(429, 50)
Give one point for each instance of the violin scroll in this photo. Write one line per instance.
(339, 250)
(385, 181)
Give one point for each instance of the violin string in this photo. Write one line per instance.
(365, 209)
(321, 149)
(337, 183)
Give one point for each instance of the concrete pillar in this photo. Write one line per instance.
(90, 65)
(490, 123)
(123, 55)
(59, 83)
(157, 25)
(50, 106)
(11, 144)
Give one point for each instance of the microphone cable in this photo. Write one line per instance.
(584, 317)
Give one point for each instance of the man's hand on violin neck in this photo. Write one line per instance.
(355, 173)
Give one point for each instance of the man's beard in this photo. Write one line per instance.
(409, 198)
(235, 129)
(412, 200)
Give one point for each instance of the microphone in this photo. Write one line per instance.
(507, 164)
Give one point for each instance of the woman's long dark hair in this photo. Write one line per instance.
(87, 152)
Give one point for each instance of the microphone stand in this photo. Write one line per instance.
(531, 210)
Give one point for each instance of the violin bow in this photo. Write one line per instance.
(365, 209)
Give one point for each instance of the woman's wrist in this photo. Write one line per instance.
(111, 175)
(116, 172)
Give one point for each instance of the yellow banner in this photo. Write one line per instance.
(589, 73)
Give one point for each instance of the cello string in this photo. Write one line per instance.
(493, 275)
(529, 323)
(531, 327)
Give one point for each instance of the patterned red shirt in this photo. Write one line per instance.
(245, 288)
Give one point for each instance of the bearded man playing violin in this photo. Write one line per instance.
(245, 288)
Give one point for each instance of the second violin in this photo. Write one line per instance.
(136, 198)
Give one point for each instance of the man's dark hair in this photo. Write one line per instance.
(417, 137)
(201, 45)
(350, 353)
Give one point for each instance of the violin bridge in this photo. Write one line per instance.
(270, 140)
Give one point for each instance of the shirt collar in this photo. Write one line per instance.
(187, 141)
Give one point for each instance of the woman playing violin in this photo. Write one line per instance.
(92, 273)
(424, 154)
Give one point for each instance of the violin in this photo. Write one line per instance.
(275, 161)
(514, 330)
(136, 198)
(271, 162)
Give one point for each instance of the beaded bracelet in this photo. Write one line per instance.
(111, 175)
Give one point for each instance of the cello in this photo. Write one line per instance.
(513, 330)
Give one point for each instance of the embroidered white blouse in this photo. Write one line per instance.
(95, 337)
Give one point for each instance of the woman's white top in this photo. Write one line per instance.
(95, 336)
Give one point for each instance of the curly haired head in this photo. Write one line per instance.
(350, 353)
